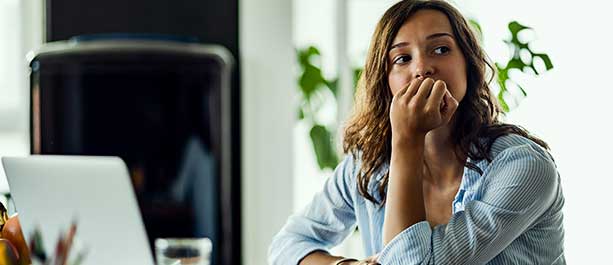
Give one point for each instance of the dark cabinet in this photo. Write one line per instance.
(166, 109)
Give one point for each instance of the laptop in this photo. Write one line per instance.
(50, 192)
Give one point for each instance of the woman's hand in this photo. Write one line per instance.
(421, 106)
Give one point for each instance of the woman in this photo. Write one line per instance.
(431, 176)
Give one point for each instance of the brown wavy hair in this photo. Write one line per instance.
(368, 132)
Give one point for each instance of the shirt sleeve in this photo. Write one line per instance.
(324, 223)
(519, 186)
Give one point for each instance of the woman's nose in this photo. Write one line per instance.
(423, 69)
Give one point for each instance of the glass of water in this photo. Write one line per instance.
(183, 251)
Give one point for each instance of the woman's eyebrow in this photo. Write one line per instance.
(438, 35)
(432, 36)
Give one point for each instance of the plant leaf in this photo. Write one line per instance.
(522, 90)
(546, 60)
(477, 28)
(310, 80)
(503, 103)
(515, 28)
(324, 149)
(516, 64)
(333, 85)
(357, 72)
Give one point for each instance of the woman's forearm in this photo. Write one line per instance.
(320, 258)
(405, 201)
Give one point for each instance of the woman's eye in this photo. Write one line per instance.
(441, 50)
(402, 59)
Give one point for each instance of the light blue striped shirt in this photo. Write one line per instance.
(511, 214)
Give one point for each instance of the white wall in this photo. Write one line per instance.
(21, 30)
(268, 115)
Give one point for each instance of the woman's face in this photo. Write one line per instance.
(425, 47)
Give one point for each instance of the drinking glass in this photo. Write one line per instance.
(183, 251)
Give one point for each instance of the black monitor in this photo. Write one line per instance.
(164, 108)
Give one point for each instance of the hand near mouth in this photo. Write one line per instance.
(423, 105)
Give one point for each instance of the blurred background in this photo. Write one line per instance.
(286, 139)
